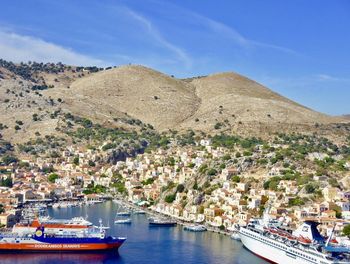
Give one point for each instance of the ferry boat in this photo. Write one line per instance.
(87, 240)
(52, 225)
(304, 245)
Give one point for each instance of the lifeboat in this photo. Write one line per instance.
(273, 231)
(333, 241)
(282, 234)
(291, 238)
(304, 240)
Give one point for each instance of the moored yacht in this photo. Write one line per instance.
(123, 221)
(195, 228)
(161, 222)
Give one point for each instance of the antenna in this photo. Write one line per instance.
(330, 236)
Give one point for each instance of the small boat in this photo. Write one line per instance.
(139, 212)
(123, 213)
(235, 236)
(161, 222)
(195, 228)
(56, 205)
(123, 221)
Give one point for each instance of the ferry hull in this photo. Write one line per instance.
(38, 247)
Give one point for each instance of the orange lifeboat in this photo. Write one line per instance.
(273, 231)
(291, 237)
(304, 240)
(333, 241)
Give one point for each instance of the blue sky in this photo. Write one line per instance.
(298, 48)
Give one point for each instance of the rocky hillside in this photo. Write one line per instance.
(34, 97)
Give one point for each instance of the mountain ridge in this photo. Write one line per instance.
(219, 102)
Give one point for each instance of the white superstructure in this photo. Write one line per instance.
(305, 245)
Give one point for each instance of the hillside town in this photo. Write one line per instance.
(212, 182)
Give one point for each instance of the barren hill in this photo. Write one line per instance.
(140, 92)
(214, 103)
(168, 103)
(231, 99)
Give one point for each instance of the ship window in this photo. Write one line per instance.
(305, 229)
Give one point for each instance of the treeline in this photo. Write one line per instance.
(26, 70)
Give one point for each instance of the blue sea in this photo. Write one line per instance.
(146, 245)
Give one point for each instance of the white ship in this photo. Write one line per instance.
(52, 226)
(304, 245)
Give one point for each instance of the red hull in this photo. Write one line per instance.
(58, 247)
(266, 259)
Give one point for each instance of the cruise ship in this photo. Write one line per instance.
(304, 245)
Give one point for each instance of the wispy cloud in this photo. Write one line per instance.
(153, 31)
(16, 47)
(236, 36)
(329, 78)
(224, 30)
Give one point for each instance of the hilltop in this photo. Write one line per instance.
(35, 96)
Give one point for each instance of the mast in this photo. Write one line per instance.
(330, 236)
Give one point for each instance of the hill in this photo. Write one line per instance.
(34, 97)
(230, 99)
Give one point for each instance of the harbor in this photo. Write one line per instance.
(124, 203)
(144, 244)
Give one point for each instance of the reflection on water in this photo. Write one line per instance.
(144, 244)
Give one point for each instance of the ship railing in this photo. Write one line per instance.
(5, 230)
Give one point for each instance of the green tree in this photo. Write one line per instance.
(170, 198)
(7, 159)
(309, 188)
(180, 188)
(212, 172)
(52, 177)
(346, 230)
(195, 185)
(76, 160)
(91, 163)
(35, 117)
(297, 201)
(226, 157)
(6, 182)
(236, 178)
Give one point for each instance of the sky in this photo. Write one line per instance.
(298, 48)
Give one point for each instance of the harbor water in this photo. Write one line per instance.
(144, 244)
